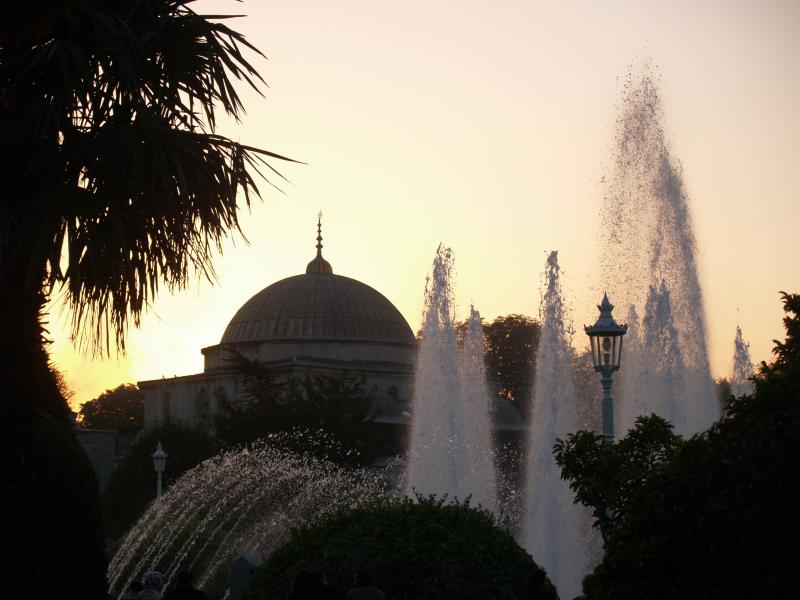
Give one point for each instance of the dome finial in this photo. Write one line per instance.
(319, 234)
(319, 264)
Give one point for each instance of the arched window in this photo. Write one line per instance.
(221, 395)
(393, 393)
(166, 409)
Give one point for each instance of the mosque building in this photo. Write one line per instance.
(317, 323)
(314, 323)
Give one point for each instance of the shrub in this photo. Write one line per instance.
(714, 517)
(52, 518)
(412, 547)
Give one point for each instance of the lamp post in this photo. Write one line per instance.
(159, 463)
(606, 340)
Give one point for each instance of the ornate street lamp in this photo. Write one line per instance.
(159, 463)
(606, 339)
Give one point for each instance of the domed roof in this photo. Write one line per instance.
(318, 306)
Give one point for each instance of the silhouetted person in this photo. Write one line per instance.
(133, 589)
(365, 588)
(185, 590)
(153, 582)
(584, 595)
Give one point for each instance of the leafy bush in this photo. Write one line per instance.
(133, 483)
(52, 518)
(413, 548)
(714, 517)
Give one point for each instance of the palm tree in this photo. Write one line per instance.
(113, 179)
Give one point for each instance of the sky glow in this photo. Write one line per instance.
(488, 126)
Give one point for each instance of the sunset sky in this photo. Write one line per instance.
(488, 126)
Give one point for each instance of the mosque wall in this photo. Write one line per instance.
(336, 352)
(194, 399)
(186, 400)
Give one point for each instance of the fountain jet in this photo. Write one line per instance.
(556, 531)
(649, 260)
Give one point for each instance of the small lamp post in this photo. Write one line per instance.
(159, 463)
(606, 339)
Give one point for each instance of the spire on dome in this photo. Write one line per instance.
(319, 264)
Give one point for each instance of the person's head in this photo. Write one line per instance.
(364, 577)
(133, 589)
(185, 578)
(154, 581)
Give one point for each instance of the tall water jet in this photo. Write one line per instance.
(661, 371)
(240, 502)
(648, 244)
(438, 461)
(475, 388)
(555, 530)
(742, 366)
(629, 402)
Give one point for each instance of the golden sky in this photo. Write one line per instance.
(488, 126)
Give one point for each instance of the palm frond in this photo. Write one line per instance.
(111, 109)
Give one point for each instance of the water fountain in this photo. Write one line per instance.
(450, 447)
(245, 502)
(238, 503)
(438, 462)
(742, 366)
(649, 262)
(475, 387)
(556, 532)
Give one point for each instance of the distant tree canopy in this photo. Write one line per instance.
(713, 517)
(335, 403)
(121, 408)
(511, 343)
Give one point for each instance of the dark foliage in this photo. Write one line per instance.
(121, 409)
(412, 548)
(606, 476)
(718, 519)
(107, 116)
(51, 518)
(113, 182)
(511, 342)
(723, 387)
(133, 483)
(335, 403)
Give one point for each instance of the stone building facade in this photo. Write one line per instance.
(314, 323)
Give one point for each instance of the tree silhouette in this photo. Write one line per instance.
(711, 517)
(114, 182)
(121, 408)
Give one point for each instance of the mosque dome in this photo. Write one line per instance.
(318, 306)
